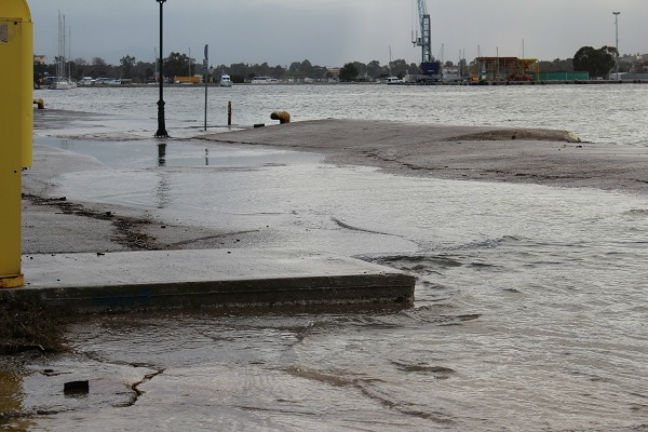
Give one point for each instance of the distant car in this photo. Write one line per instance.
(87, 81)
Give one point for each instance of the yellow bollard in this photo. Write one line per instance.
(16, 126)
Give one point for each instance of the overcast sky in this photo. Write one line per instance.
(332, 32)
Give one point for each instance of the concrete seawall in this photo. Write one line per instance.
(208, 280)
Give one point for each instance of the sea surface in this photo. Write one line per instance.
(531, 301)
(614, 114)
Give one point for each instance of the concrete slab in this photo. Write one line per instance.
(518, 155)
(240, 280)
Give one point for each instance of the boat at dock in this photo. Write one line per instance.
(225, 81)
(60, 82)
(264, 80)
(394, 80)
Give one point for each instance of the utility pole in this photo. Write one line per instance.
(523, 49)
(206, 79)
(616, 25)
(497, 53)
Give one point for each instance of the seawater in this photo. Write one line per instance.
(612, 114)
(530, 302)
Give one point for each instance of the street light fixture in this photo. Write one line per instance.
(161, 131)
(616, 25)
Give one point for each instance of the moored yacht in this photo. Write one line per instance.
(264, 80)
(225, 81)
(394, 80)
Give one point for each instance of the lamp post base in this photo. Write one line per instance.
(161, 132)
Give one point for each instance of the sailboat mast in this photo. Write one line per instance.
(60, 48)
(63, 58)
(69, 53)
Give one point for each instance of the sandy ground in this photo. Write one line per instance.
(548, 157)
(53, 224)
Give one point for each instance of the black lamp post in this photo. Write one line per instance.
(161, 131)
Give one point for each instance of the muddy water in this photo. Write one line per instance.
(530, 305)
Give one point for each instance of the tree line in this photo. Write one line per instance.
(179, 64)
(598, 62)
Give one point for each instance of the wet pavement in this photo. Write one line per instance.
(529, 312)
(231, 281)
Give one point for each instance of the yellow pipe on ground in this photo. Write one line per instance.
(16, 115)
(40, 103)
(282, 116)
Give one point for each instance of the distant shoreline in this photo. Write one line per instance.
(482, 83)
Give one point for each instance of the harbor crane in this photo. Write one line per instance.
(428, 66)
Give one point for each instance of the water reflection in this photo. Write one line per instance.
(161, 154)
(206, 157)
(11, 403)
(524, 291)
(162, 190)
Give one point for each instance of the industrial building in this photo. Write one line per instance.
(503, 69)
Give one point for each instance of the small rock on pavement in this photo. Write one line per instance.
(76, 388)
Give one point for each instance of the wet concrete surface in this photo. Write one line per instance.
(529, 311)
(243, 280)
(519, 155)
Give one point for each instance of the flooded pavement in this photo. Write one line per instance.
(429, 368)
(529, 313)
(530, 304)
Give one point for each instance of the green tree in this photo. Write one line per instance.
(362, 70)
(413, 69)
(598, 62)
(99, 67)
(294, 69)
(143, 72)
(261, 69)
(238, 72)
(278, 72)
(127, 63)
(348, 72)
(176, 64)
(306, 68)
(301, 70)
(398, 68)
(374, 70)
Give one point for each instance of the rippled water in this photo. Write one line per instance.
(601, 113)
(530, 303)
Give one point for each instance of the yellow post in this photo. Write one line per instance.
(16, 123)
